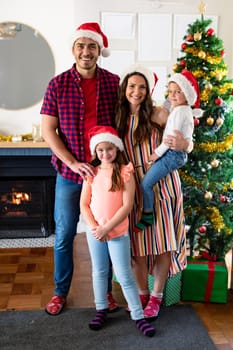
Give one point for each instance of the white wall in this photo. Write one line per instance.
(56, 20)
(91, 11)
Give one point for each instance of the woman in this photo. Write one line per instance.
(160, 249)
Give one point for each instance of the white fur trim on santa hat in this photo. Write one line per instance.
(105, 137)
(186, 87)
(148, 74)
(88, 34)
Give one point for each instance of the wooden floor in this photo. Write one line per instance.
(26, 282)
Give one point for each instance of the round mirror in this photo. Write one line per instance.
(26, 65)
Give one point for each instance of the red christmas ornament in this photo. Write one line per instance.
(183, 46)
(182, 63)
(231, 92)
(196, 121)
(222, 198)
(218, 101)
(222, 53)
(202, 229)
(210, 32)
(189, 37)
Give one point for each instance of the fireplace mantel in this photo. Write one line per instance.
(24, 148)
(23, 144)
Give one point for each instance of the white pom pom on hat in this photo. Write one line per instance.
(189, 85)
(105, 52)
(103, 133)
(150, 76)
(92, 31)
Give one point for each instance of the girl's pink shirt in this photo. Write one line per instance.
(104, 203)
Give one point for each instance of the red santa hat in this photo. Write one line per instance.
(92, 31)
(102, 133)
(150, 76)
(189, 85)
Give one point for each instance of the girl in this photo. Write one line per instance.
(106, 200)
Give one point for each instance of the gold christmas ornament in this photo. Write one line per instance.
(208, 195)
(210, 121)
(175, 67)
(197, 36)
(218, 76)
(215, 163)
(208, 86)
(202, 55)
(219, 122)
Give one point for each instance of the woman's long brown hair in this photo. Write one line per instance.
(145, 123)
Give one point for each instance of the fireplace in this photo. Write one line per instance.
(26, 207)
(27, 189)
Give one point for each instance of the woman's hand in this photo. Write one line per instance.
(178, 142)
(153, 157)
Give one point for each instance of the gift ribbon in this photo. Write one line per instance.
(210, 280)
(207, 256)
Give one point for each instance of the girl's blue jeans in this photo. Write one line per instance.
(170, 161)
(119, 251)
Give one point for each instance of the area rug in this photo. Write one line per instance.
(177, 328)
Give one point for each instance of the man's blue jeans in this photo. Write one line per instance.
(170, 161)
(119, 251)
(66, 215)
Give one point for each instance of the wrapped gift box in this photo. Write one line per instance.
(172, 289)
(204, 281)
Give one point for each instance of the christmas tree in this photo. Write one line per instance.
(207, 179)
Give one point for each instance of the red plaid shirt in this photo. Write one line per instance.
(64, 99)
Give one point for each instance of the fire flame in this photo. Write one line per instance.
(19, 197)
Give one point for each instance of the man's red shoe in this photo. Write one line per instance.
(56, 305)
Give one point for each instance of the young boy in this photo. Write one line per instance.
(183, 92)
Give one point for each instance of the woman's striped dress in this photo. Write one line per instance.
(168, 231)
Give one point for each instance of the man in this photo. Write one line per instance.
(75, 101)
